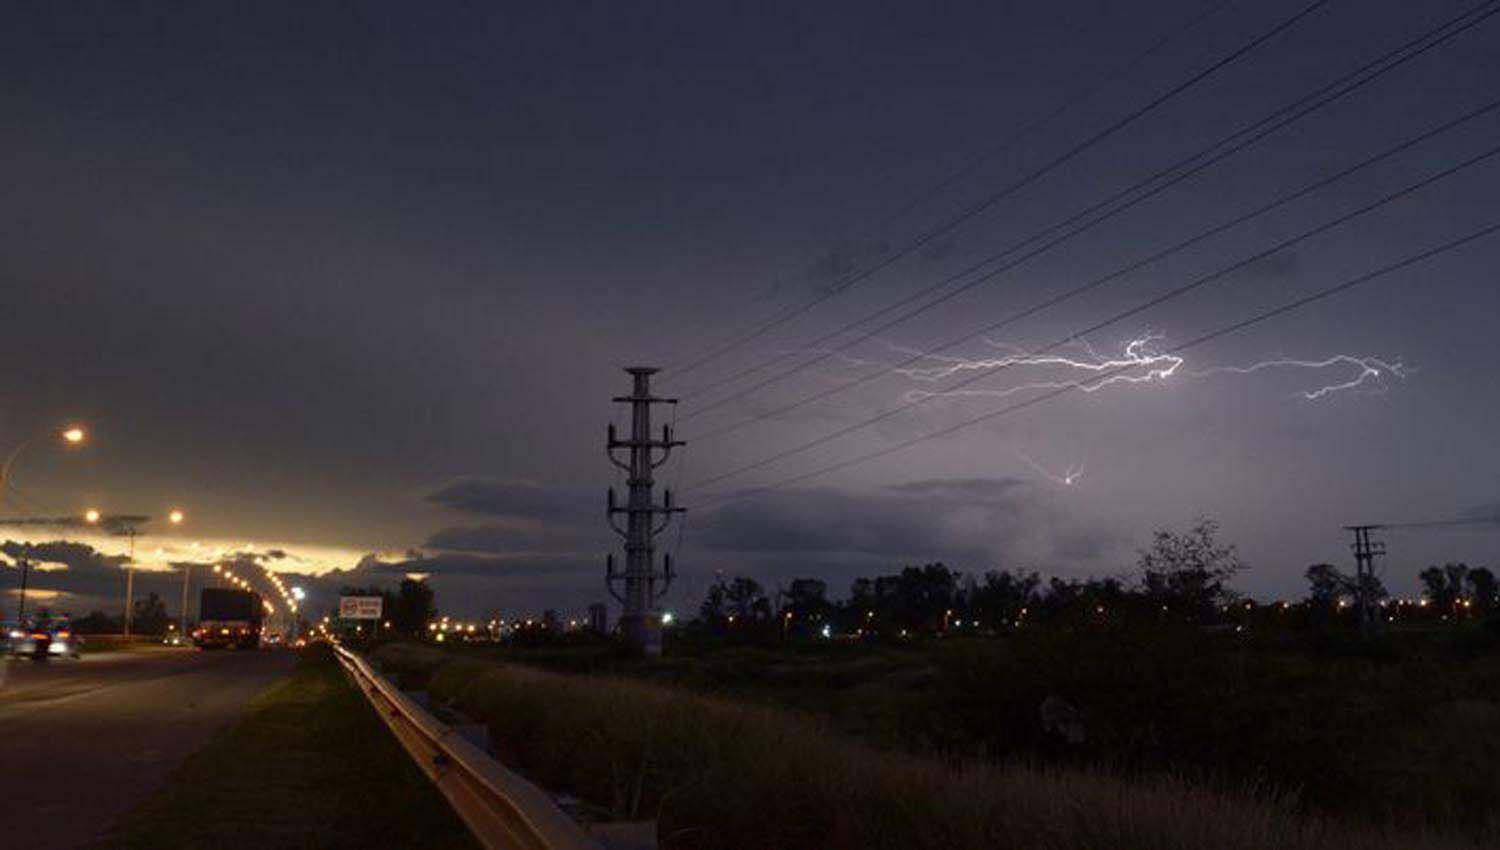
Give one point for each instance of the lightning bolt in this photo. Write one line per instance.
(1080, 366)
(1367, 370)
(1066, 479)
(1140, 362)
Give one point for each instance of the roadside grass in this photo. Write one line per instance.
(721, 774)
(308, 766)
(1400, 730)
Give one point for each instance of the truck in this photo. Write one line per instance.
(228, 619)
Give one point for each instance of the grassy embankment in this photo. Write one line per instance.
(1403, 730)
(309, 766)
(731, 774)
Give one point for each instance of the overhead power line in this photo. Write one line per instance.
(989, 201)
(1117, 274)
(1114, 75)
(1441, 523)
(1169, 295)
(1171, 175)
(1077, 100)
(1226, 330)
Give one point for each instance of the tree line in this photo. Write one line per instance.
(1181, 577)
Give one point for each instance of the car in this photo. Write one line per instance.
(174, 639)
(51, 637)
(12, 633)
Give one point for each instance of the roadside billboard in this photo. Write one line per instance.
(360, 607)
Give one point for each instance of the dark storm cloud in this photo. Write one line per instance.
(84, 570)
(518, 499)
(450, 564)
(324, 251)
(974, 523)
(81, 577)
(527, 518)
(1480, 514)
(490, 538)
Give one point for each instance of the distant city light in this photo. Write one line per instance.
(74, 434)
(666, 619)
(176, 517)
(299, 594)
(90, 516)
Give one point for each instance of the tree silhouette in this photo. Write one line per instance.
(412, 607)
(1482, 589)
(1444, 585)
(149, 616)
(1189, 572)
(741, 598)
(1326, 586)
(1002, 595)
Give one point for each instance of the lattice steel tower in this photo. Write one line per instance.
(1366, 551)
(641, 585)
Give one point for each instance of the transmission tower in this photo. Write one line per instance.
(641, 585)
(1365, 552)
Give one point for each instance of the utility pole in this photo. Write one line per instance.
(25, 564)
(640, 621)
(187, 571)
(1365, 552)
(130, 581)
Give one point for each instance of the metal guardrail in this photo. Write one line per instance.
(501, 809)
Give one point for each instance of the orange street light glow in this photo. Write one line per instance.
(90, 515)
(175, 517)
(74, 434)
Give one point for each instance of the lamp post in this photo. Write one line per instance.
(127, 524)
(25, 564)
(72, 435)
(176, 516)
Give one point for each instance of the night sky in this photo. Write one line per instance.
(355, 282)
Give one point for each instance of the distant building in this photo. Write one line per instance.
(599, 618)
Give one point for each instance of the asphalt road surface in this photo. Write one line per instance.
(83, 741)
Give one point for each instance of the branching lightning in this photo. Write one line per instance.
(1369, 373)
(1066, 479)
(1140, 362)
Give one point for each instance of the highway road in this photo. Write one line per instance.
(83, 741)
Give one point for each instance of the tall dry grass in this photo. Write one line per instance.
(724, 775)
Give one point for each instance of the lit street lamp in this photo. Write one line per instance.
(129, 525)
(73, 435)
(176, 517)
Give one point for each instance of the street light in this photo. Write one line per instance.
(72, 435)
(91, 516)
(176, 517)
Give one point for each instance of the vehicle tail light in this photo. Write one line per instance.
(64, 635)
